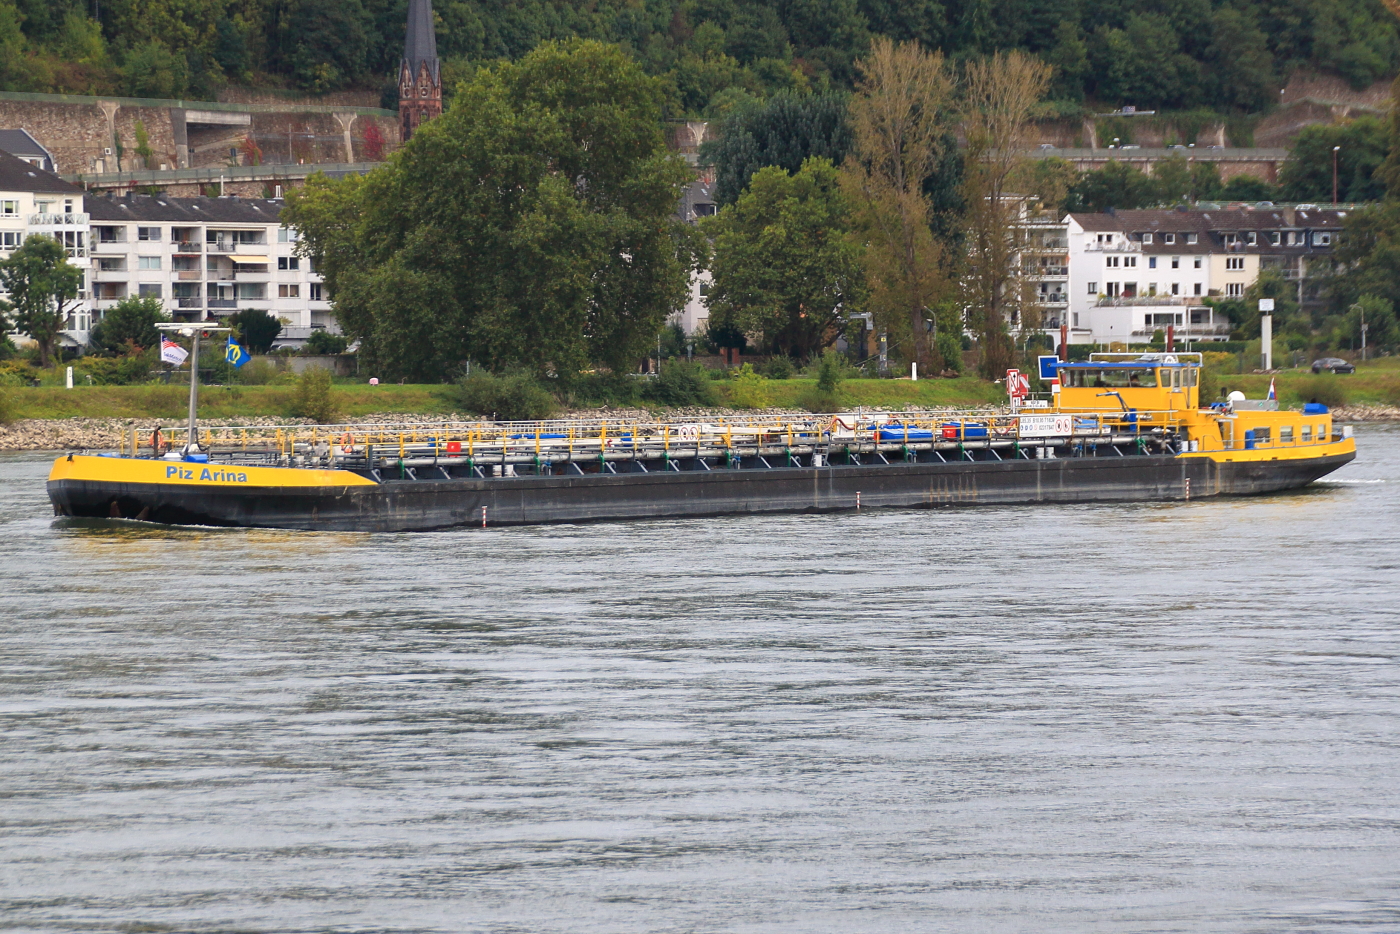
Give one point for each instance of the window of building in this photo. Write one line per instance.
(148, 233)
(1322, 239)
(149, 290)
(11, 239)
(1234, 289)
(1274, 238)
(42, 207)
(1112, 289)
(9, 209)
(1169, 238)
(1093, 288)
(255, 291)
(112, 264)
(148, 262)
(1190, 238)
(288, 262)
(1253, 238)
(287, 235)
(1151, 262)
(1151, 288)
(1147, 238)
(1198, 262)
(1176, 262)
(1234, 262)
(1130, 261)
(1231, 239)
(1198, 289)
(1075, 316)
(1111, 262)
(289, 291)
(316, 292)
(1176, 288)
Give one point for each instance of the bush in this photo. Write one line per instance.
(600, 389)
(125, 370)
(950, 347)
(323, 343)
(680, 383)
(749, 390)
(1329, 390)
(778, 367)
(832, 371)
(819, 401)
(512, 397)
(256, 329)
(7, 408)
(314, 398)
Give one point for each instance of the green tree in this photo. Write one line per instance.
(530, 226)
(1116, 185)
(1238, 62)
(323, 342)
(131, 321)
(41, 285)
(1249, 188)
(784, 266)
(785, 131)
(1367, 256)
(255, 329)
(1307, 175)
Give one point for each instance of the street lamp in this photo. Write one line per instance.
(1335, 150)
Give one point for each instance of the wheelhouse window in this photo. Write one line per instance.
(1111, 378)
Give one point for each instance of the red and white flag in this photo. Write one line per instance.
(172, 352)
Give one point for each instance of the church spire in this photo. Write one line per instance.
(420, 74)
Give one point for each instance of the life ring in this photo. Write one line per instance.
(347, 443)
(157, 441)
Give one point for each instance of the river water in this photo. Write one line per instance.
(1162, 717)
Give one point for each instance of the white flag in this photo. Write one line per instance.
(172, 352)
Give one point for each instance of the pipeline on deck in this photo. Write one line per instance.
(462, 450)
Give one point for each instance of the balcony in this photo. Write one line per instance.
(1047, 245)
(1128, 247)
(58, 220)
(1052, 299)
(186, 275)
(189, 246)
(221, 303)
(1047, 272)
(229, 246)
(1129, 301)
(193, 302)
(1186, 331)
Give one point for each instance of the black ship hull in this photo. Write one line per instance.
(420, 505)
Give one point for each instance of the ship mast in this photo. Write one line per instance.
(193, 332)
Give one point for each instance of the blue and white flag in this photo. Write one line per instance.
(235, 353)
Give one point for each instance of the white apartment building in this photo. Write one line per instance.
(1133, 273)
(203, 258)
(33, 201)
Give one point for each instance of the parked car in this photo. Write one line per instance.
(1332, 365)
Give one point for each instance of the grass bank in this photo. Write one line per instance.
(215, 402)
(1374, 383)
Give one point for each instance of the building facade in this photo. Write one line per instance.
(33, 201)
(203, 258)
(1133, 273)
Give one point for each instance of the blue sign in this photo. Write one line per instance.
(1048, 367)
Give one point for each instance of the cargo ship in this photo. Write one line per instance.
(1117, 427)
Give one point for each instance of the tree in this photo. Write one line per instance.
(1367, 257)
(1239, 63)
(784, 266)
(41, 284)
(256, 329)
(323, 342)
(1116, 185)
(531, 226)
(1001, 94)
(900, 117)
(131, 321)
(1307, 175)
(785, 131)
(1248, 188)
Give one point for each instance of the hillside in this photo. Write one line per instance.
(1179, 55)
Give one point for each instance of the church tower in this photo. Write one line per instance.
(420, 77)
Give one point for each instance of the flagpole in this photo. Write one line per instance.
(193, 332)
(193, 444)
